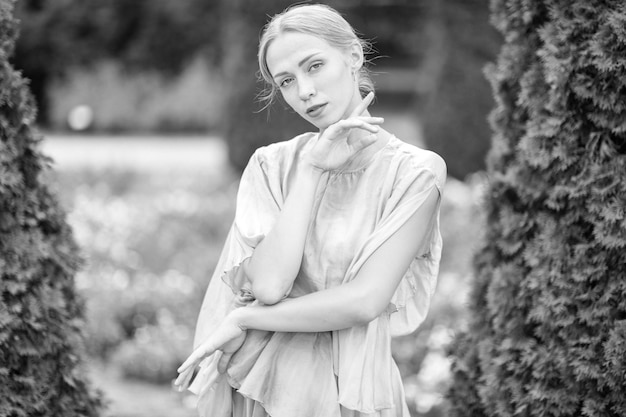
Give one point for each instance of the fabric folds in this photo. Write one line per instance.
(342, 373)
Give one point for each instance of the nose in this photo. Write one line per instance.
(306, 89)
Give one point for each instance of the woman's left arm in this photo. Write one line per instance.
(358, 301)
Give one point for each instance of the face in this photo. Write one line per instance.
(314, 78)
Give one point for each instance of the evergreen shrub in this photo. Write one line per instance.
(40, 313)
(548, 330)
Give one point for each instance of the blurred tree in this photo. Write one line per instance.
(166, 35)
(141, 34)
(245, 126)
(40, 313)
(447, 41)
(42, 49)
(547, 335)
(458, 98)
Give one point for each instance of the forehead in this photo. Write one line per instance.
(289, 48)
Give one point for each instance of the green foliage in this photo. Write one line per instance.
(40, 314)
(547, 336)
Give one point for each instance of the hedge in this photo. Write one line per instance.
(548, 330)
(41, 371)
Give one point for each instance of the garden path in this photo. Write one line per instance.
(133, 398)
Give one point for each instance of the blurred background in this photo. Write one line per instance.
(148, 110)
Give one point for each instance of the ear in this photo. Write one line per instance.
(355, 53)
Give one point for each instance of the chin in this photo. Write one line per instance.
(319, 126)
(321, 123)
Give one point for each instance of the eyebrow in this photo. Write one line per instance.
(302, 61)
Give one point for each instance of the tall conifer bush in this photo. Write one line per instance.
(548, 329)
(40, 314)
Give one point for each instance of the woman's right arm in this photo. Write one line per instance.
(276, 260)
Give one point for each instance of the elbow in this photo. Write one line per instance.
(365, 315)
(366, 309)
(267, 295)
(263, 292)
(267, 289)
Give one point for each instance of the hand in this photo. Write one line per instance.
(336, 146)
(228, 338)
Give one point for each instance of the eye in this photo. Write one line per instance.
(285, 82)
(316, 65)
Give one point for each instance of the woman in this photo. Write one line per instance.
(335, 245)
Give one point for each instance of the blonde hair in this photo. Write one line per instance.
(317, 20)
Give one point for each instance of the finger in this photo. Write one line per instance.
(182, 382)
(186, 365)
(372, 120)
(338, 130)
(201, 352)
(359, 124)
(360, 143)
(222, 364)
(342, 124)
(363, 105)
(363, 142)
(178, 383)
(188, 377)
(194, 359)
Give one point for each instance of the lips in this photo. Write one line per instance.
(315, 110)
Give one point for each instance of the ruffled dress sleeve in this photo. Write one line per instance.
(259, 200)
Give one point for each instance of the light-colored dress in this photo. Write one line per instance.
(344, 373)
